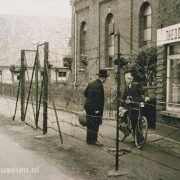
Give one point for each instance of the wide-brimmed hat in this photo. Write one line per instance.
(103, 73)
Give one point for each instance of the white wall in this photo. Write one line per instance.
(6, 76)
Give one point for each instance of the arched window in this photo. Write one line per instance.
(109, 41)
(83, 43)
(145, 24)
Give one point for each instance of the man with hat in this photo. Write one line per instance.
(94, 105)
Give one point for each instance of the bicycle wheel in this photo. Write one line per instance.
(141, 132)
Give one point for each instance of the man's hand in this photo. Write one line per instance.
(129, 97)
(127, 101)
(147, 99)
(96, 112)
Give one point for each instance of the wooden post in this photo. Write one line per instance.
(1, 72)
(39, 105)
(22, 79)
(17, 97)
(37, 87)
(45, 89)
(118, 104)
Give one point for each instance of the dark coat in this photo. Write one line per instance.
(136, 92)
(94, 94)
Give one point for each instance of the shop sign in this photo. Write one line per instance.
(168, 34)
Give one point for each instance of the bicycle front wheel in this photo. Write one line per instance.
(141, 132)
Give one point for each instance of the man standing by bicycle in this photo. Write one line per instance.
(132, 96)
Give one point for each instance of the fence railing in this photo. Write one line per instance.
(65, 96)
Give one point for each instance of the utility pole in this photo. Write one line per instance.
(118, 62)
(118, 103)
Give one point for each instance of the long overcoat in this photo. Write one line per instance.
(94, 94)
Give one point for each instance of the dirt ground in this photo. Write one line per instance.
(77, 158)
(82, 161)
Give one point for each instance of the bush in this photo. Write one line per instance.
(67, 61)
(144, 67)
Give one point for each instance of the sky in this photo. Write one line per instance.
(58, 8)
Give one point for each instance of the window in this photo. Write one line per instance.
(83, 42)
(173, 81)
(17, 76)
(42, 73)
(62, 76)
(174, 49)
(109, 41)
(145, 24)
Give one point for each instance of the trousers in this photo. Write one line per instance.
(133, 117)
(93, 123)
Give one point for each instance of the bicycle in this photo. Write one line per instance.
(141, 129)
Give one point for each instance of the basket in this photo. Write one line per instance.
(82, 118)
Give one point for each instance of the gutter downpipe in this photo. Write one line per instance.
(131, 35)
(99, 66)
(75, 50)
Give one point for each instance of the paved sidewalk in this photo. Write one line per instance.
(165, 144)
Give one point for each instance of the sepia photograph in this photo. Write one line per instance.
(90, 89)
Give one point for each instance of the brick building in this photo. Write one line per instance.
(168, 67)
(95, 24)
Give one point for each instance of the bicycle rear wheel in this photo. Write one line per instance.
(141, 132)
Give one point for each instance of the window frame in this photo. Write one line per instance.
(109, 36)
(60, 72)
(145, 29)
(61, 78)
(83, 43)
(143, 20)
(169, 59)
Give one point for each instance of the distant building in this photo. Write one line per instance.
(6, 75)
(168, 64)
(57, 73)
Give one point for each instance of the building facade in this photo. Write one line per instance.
(95, 24)
(168, 67)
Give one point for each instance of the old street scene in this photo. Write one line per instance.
(90, 89)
